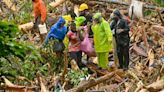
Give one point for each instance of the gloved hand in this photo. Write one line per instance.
(119, 31)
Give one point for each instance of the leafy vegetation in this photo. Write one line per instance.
(75, 76)
(160, 2)
(17, 58)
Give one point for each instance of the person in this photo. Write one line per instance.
(84, 11)
(39, 14)
(121, 33)
(74, 45)
(68, 20)
(57, 33)
(102, 39)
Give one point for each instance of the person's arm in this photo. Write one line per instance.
(108, 31)
(71, 36)
(43, 13)
(50, 34)
(125, 29)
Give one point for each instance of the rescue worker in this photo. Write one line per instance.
(84, 11)
(102, 39)
(57, 33)
(121, 32)
(39, 14)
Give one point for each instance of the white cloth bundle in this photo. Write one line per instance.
(137, 8)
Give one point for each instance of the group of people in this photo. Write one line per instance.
(77, 28)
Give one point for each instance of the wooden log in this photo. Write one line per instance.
(26, 27)
(10, 4)
(139, 50)
(162, 90)
(92, 82)
(158, 28)
(7, 82)
(156, 86)
(18, 88)
(9, 86)
(127, 4)
(160, 16)
(144, 90)
(57, 3)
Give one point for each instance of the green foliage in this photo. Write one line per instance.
(159, 2)
(75, 76)
(57, 63)
(8, 43)
(13, 52)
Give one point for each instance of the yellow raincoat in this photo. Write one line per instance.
(102, 41)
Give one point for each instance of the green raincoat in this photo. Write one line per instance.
(79, 20)
(102, 40)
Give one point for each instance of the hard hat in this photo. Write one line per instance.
(67, 17)
(83, 7)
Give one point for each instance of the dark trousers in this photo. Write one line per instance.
(123, 55)
(77, 56)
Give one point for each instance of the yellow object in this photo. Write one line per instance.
(83, 7)
(66, 42)
(67, 17)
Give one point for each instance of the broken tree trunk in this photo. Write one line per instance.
(55, 4)
(139, 50)
(92, 82)
(26, 27)
(11, 87)
(160, 16)
(9, 4)
(158, 28)
(127, 4)
(156, 86)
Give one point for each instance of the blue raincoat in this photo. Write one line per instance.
(57, 31)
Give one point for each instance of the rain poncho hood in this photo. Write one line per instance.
(80, 20)
(60, 22)
(67, 17)
(102, 35)
(117, 13)
(97, 15)
(57, 31)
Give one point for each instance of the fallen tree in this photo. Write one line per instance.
(93, 82)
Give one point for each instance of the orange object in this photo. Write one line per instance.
(40, 9)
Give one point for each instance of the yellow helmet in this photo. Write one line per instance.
(67, 17)
(83, 7)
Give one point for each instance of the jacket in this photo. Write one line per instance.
(40, 9)
(123, 37)
(102, 36)
(57, 31)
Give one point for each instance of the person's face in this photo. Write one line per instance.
(61, 25)
(95, 21)
(73, 27)
(82, 13)
(115, 17)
